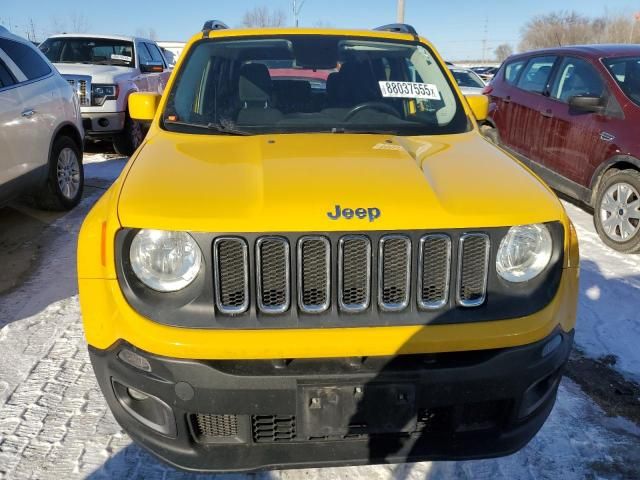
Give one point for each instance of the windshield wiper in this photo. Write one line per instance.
(363, 131)
(216, 127)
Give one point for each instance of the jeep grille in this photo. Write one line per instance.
(314, 269)
(232, 275)
(397, 272)
(473, 269)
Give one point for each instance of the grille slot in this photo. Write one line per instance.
(215, 426)
(394, 272)
(273, 428)
(354, 273)
(273, 277)
(473, 266)
(314, 270)
(434, 271)
(231, 275)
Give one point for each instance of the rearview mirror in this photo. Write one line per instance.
(149, 67)
(143, 105)
(586, 103)
(479, 106)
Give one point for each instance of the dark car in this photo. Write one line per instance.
(573, 114)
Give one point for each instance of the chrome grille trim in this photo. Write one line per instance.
(426, 271)
(273, 307)
(319, 269)
(82, 86)
(231, 308)
(364, 304)
(471, 290)
(385, 272)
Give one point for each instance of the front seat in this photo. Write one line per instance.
(255, 90)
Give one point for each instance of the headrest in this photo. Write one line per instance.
(255, 83)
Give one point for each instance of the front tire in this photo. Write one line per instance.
(65, 178)
(130, 139)
(617, 211)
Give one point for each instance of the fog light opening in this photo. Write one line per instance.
(103, 122)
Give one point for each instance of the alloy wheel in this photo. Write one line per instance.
(620, 212)
(68, 173)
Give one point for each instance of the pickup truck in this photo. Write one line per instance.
(104, 70)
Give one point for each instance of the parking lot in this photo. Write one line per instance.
(54, 423)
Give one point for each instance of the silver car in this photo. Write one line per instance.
(469, 82)
(41, 135)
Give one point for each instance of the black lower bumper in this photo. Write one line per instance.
(250, 415)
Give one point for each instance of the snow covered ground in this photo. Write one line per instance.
(54, 423)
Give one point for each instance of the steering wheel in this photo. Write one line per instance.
(380, 106)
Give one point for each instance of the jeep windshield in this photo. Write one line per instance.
(312, 83)
(626, 71)
(93, 51)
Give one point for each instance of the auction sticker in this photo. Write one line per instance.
(122, 58)
(409, 90)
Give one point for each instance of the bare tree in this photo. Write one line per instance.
(502, 51)
(79, 23)
(56, 25)
(571, 28)
(264, 17)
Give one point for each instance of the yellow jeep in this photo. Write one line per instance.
(315, 258)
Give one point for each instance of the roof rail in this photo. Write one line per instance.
(212, 25)
(398, 28)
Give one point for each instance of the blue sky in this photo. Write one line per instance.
(456, 27)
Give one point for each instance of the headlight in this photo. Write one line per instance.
(100, 93)
(165, 261)
(524, 252)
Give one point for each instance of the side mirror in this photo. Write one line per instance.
(143, 105)
(479, 106)
(149, 67)
(587, 103)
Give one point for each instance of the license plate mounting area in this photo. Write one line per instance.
(353, 410)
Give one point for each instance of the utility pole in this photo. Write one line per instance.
(296, 6)
(484, 39)
(400, 12)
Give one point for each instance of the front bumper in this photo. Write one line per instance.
(101, 124)
(240, 415)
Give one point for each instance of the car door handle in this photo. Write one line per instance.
(547, 113)
(507, 99)
(28, 113)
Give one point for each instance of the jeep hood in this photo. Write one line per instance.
(98, 73)
(281, 183)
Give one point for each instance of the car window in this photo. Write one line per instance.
(467, 78)
(94, 51)
(576, 77)
(626, 71)
(156, 56)
(6, 79)
(26, 59)
(512, 69)
(143, 53)
(311, 83)
(536, 74)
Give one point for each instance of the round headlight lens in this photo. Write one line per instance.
(524, 252)
(165, 261)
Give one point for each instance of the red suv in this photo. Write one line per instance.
(572, 114)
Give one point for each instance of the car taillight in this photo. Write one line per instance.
(487, 90)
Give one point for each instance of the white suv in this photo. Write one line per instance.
(104, 70)
(41, 133)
